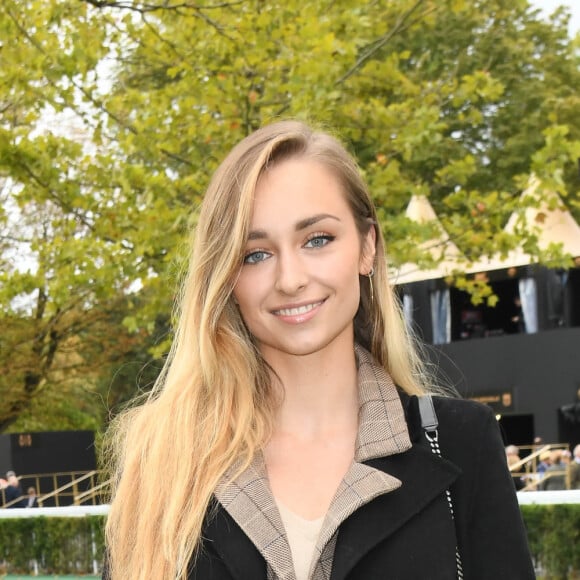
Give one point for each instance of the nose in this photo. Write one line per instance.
(291, 273)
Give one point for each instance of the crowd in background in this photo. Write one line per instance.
(557, 469)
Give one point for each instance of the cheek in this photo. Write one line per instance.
(240, 292)
(243, 306)
(344, 275)
(356, 290)
(246, 292)
(349, 267)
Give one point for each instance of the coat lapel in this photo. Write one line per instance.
(235, 549)
(248, 500)
(424, 478)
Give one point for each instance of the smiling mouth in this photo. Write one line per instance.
(298, 310)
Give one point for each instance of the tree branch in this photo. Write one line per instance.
(143, 7)
(377, 45)
(95, 102)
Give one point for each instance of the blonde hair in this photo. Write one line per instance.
(212, 406)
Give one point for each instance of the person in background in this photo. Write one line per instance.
(512, 454)
(517, 320)
(13, 492)
(287, 421)
(545, 462)
(573, 470)
(554, 475)
(32, 499)
(566, 457)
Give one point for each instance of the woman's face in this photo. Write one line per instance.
(298, 289)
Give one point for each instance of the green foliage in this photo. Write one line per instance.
(110, 133)
(69, 545)
(58, 545)
(554, 537)
(52, 410)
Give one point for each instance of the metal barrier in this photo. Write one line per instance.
(526, 468)
(61, 489)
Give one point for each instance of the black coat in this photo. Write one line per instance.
(13, 492)
(408, 534)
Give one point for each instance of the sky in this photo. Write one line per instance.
(548, 6)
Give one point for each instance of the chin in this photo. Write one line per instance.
(301, 348)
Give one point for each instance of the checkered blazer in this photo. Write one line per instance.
(382, 432)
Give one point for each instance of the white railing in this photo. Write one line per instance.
(70, 511)
(549, 497)
(524, 498)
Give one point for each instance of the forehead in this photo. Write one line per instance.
(296, 188)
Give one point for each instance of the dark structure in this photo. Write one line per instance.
(527, 370)
(52, 452)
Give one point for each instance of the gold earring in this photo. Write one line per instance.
(370, 275)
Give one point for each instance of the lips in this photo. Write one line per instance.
(297, 310)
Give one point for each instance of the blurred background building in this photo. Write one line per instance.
(521, 356)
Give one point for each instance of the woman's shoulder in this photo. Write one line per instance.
(448, 408)
(463, 419)
(462, 423)
(468, 430)
(464, 409)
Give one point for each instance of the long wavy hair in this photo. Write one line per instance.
(212, 407)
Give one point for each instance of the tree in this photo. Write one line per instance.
(458, 100)
(65, 270)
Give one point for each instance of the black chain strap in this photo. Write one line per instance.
(430, 423)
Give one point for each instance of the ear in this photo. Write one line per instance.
(369, 248)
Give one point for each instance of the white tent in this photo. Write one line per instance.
(553, 226)
(550, 221)
(439, 248)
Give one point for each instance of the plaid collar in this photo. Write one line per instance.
(382, 432)
(382, 426)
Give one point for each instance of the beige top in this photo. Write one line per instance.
(302, 535)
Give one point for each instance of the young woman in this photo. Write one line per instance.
(283, 439)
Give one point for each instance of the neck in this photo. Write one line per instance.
(319, 392)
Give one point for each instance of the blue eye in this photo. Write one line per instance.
(319, 240)
(255, 257)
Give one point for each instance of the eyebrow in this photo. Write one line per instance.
(300, 225)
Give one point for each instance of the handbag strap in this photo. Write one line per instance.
(430, 425)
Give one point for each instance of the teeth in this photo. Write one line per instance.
(299, 310)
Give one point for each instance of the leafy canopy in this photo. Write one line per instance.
(114, 115)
